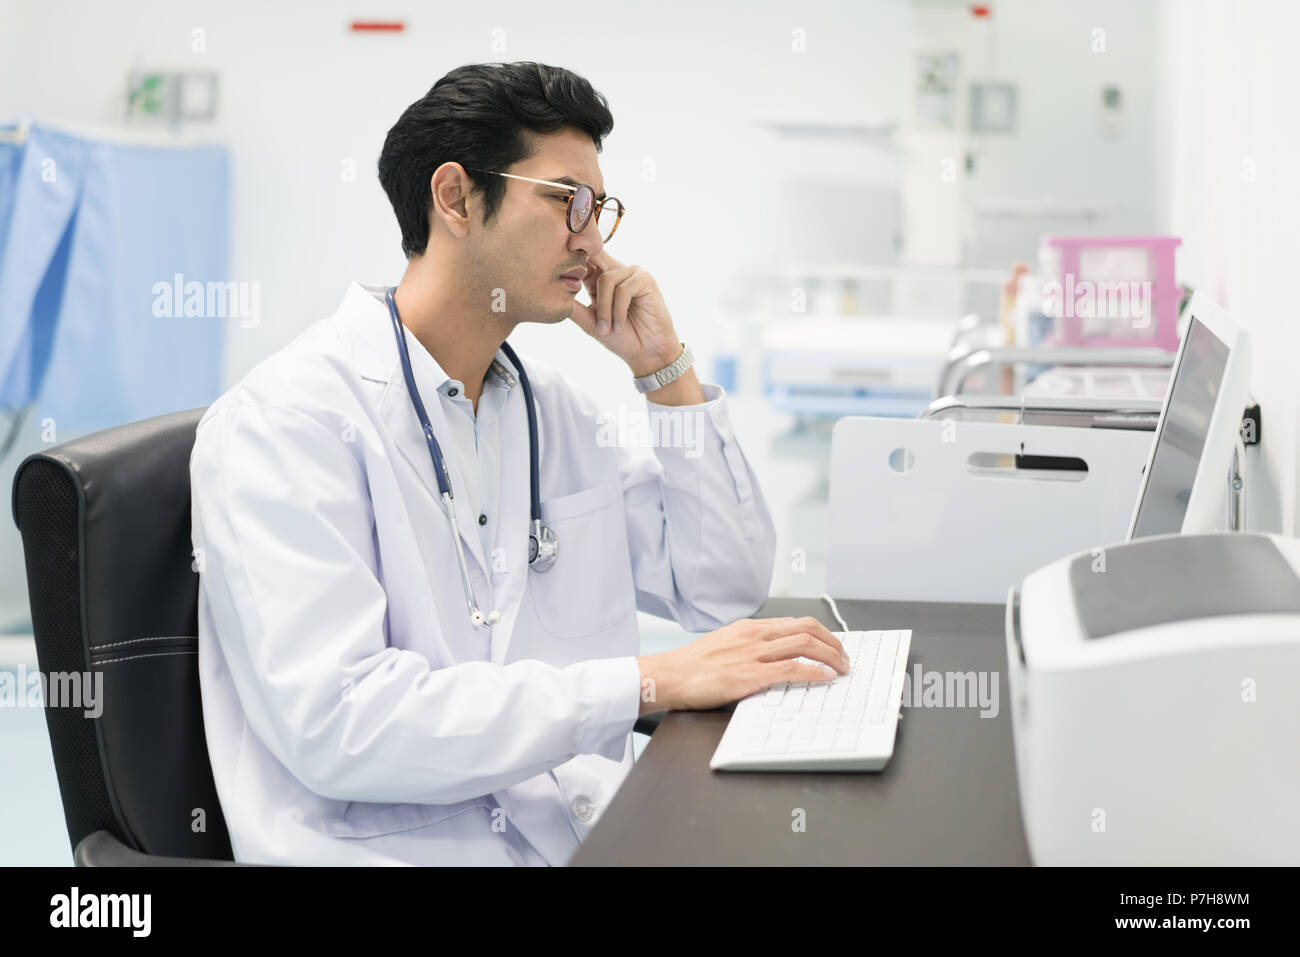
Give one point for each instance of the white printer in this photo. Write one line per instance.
(1155, 702)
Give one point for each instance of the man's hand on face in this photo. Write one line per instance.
(627, 315)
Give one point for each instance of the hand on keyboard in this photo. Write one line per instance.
(846, 725)
(740, 659)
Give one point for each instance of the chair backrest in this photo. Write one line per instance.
(105, 524)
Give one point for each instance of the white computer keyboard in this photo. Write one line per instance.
(847, 724)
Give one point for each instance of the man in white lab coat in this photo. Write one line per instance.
(353, 712)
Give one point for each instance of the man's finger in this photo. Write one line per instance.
(603, 300)
(585, 317)
(589, 280)
(623, 294)
(597, 265)
(605, 261)
(804, 645)
(795, 671)
(780, 627)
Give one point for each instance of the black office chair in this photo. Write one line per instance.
(105, 524)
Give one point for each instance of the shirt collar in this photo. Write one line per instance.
(377, 339)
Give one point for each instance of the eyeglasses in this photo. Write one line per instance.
(581, 206)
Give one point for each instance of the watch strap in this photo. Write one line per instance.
(669, 373)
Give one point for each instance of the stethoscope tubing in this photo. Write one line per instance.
(435, 450)
(443, 477)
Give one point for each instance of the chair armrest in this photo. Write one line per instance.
(103, 849)
(647, 723)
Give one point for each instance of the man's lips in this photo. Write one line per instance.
(573, 278)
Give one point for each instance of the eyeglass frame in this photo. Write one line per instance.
(573, 191)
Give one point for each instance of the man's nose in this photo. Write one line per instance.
(588, 240)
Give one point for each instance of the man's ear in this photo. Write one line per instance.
(449, 189)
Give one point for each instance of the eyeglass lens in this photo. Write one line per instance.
(580, 210)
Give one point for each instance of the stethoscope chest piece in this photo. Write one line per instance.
(543, 547)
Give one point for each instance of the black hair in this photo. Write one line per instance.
(476, 115)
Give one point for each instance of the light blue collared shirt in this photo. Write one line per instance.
(478, 443)
(477, 438)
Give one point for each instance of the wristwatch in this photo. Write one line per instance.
(669, 373)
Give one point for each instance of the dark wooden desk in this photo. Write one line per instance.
(948, 795)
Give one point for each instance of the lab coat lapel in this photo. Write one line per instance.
(366, 321)
(400, 417)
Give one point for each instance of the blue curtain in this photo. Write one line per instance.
(91, 233)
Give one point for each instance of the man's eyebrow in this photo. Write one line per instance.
(570, 181)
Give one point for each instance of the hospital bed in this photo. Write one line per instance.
(1080, 386)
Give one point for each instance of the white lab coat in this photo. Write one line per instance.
(353, 713)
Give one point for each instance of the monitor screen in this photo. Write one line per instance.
(1181, 436)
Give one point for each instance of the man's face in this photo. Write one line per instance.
(528, 246)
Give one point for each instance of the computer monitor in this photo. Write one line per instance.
(1187, 470)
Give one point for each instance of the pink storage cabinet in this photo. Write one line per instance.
(1132, 275)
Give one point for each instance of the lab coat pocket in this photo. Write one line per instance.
(370, 819)
(589, 589)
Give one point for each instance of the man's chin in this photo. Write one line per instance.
(552, 316)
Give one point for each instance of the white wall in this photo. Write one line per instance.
(1061, 54)
(1229, 139)
(300, 95)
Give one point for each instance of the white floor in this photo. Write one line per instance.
(32, 831)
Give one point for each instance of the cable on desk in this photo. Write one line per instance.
(834, 610)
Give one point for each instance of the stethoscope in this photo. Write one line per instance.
(543, 547)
